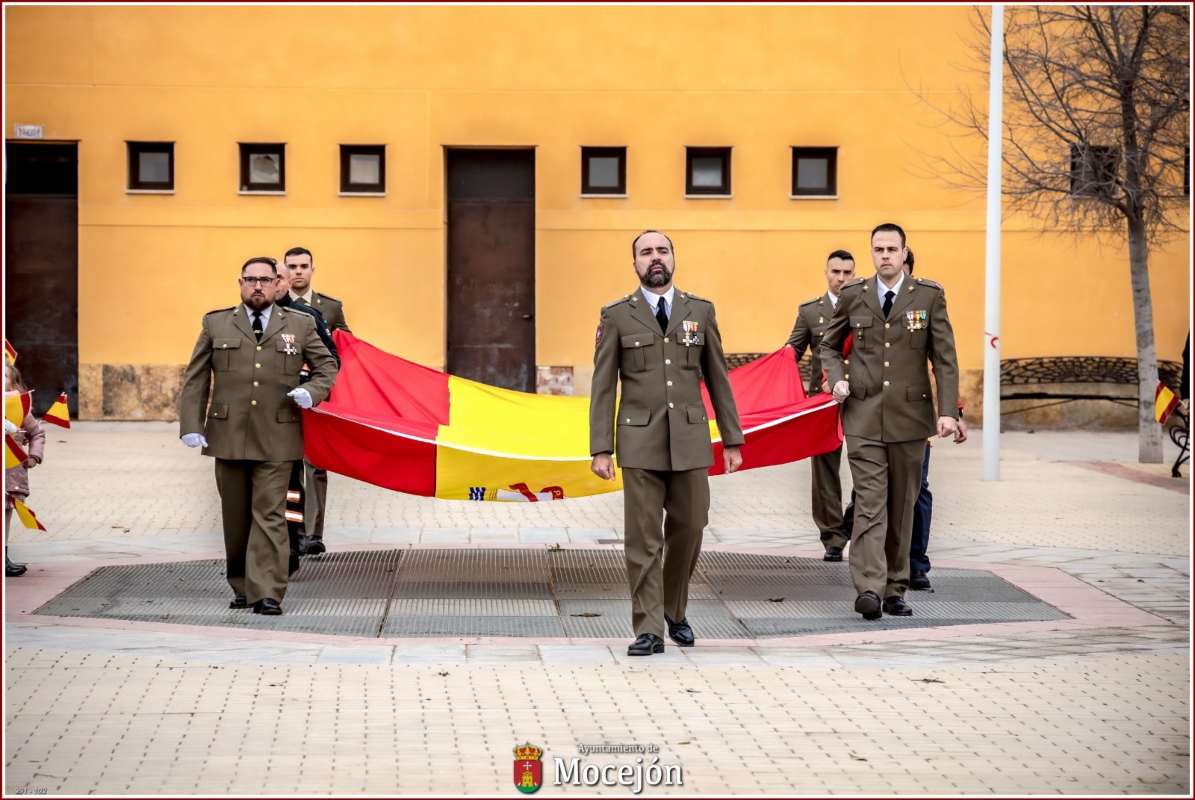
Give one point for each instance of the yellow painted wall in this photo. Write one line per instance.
(555, 78)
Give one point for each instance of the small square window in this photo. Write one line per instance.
(1094, 170)
(263, 167)
(603, 170)
(707, 170)
(363, 168)
(815, 171)
(151, 166)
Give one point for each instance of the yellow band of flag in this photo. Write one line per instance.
(26, 515)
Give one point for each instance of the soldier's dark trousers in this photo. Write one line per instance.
(661, 559)
(253, 502)
(923, 511)
(827, 499)
(315, 489)
(886, 476)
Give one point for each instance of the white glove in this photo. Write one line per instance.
(301, 397)
(10, 426)
(194, 440)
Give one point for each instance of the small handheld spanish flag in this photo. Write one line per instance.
(10, 353)
(1164, 403)
(26, 515)
(16, 406)
(14, 454)
(58, 414)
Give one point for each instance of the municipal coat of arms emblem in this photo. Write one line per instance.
(529, 770)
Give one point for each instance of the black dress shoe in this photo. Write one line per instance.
(314, 547)
(268, 607)
(681, 632)
(833, 554)
(868, 604)
(645, 645)
(12, 569)
(293, 564)
(897, 607)
(920, 582)
(239, 602)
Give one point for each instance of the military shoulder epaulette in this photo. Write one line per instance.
(328, 297)
(853, 284)
(691, 296)
(616, 302)
(928, 282)
(811, 302)
(219, 310)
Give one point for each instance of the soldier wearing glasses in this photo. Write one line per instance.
(246, 362)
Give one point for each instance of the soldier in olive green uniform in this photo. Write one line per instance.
(315, 481)
(662, 343)
(812, 318)
(247, 361)
(900, 325)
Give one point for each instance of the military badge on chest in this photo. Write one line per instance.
(916, 320)
(288, 339)
(688, 332)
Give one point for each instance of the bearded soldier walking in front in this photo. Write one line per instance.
(247, 361)
(900, 325)
(661, 342)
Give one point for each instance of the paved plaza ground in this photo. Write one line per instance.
(1097, 702)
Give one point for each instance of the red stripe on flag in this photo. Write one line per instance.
(380, 457)
(17, 451)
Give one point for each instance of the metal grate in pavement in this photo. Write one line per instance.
(533, 593)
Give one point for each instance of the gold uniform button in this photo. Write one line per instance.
(846, 361)
(224, 346)
(668, 361)
(628, 419)
(259, 348)
(252, 402)
(257, 365)
(848, 376)
(885, 383)
(665, 340)
(636, 344)
(887, 344)
(255, 383)
(887, 325)
(886, 364)
(669, 383)
(670, 405)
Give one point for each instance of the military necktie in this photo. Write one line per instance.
(888, 295)
(257, 330)
(662, 316)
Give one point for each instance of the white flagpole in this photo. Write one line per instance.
(991, 305)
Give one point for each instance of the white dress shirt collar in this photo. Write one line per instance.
(265, 315)
(833, 299)
(652, 299)
(881, 289)
(306, 298)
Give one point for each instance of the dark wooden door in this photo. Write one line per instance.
(41, 280)
(491, 266)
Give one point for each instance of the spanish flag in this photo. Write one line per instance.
(14, 454)
(405, 427)
(58, 414)
(26, 515)
(16, 406)
(10, 353)
(1164, 403)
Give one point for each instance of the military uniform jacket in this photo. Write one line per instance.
(330, 307)
(661, 420)
(249, 416)
(813, 317)
(891, 399)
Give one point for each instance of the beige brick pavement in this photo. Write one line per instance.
(127, 710)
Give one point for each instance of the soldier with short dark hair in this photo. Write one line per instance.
(899, 326)
(813, 316)
(301, 264)
(240, 402)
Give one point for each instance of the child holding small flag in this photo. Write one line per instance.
(32, 439)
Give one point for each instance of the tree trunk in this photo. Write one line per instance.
(1149, 439)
